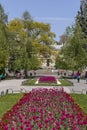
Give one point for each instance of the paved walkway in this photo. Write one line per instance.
(78, 87)
(15, 85)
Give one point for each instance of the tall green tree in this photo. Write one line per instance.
(16, 36)
(82, 17)
(28, 40)
(4, 53)
(68, 34)
(41, 34)
(3, 15)
(73, 55)
(26, 16)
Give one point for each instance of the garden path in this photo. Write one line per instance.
(15, 84)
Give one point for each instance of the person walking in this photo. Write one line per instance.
(86, 76)
(78, 76)
(34, 73)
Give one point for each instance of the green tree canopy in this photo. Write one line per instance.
(73, 55)
(4, 53)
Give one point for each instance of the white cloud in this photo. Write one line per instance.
(54, 18)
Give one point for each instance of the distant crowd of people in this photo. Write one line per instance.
(25, 74)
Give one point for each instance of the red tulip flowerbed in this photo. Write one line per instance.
(47, 79)
(45, 109)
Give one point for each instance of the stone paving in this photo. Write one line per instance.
(15, 85)
(80, 87)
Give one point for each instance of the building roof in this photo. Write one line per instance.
(58, 47)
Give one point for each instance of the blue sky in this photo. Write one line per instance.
(58, 13)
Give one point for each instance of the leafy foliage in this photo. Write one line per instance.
(73, 55)
(22, 41)
(82, 17)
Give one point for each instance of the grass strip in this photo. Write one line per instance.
(7, 101)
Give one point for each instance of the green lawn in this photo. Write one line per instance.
(7, 101)
(81, 99)
(64, 82)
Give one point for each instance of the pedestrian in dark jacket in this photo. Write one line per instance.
(86, 76)
(78, 76)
